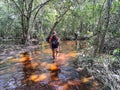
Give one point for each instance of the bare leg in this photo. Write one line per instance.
(53, 53)
(56, 52)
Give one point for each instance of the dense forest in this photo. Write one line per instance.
(27, 24)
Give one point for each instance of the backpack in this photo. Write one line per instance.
(54, 40)
(47, 39)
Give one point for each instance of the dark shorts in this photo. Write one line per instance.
(55, 46)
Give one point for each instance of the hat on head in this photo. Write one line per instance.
(54, 33)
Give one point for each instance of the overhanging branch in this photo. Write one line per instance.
(59, 19)
(18, 8)
(40, 6)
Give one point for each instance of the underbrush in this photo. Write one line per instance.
(105, 69)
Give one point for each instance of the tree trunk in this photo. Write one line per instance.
(106, 26)
(26, 9)
(81, 27)
(97, 32)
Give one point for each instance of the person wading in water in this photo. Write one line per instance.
(76, 37)
(54, 44)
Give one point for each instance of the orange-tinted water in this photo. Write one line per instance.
(36, 70)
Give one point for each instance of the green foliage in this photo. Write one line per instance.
(8, 20)
(114, 22)
(116, 52)
(83, 16)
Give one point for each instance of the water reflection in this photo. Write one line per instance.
(54, 71)
(27, 69)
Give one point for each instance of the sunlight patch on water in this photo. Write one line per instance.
(49, 66)
(35, 64)
(45, 65)
(25, 58)
(41, 77)
(86, 79)
(13, 60)
(47, 51)
(63, 59)
(74, 82)
(53, 67)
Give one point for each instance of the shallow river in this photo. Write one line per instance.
(36, 70)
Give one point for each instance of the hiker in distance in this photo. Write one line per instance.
(76, 37)
(54, 44)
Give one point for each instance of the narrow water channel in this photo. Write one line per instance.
(36, 70)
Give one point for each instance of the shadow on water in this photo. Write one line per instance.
(36, 70)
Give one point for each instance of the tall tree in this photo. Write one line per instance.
(26, 10)
(102, 27)
(107, 19)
